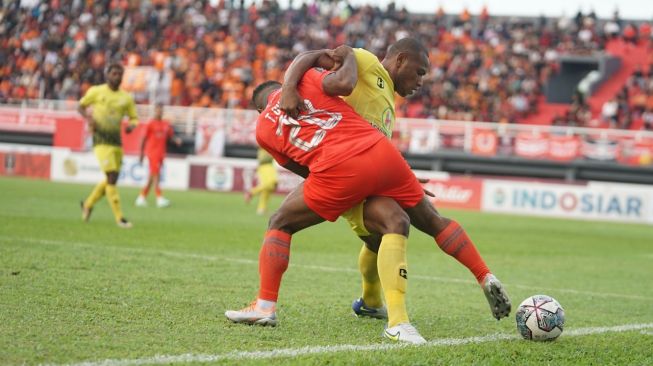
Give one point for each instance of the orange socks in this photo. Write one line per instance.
(272, 263)
(454, 241)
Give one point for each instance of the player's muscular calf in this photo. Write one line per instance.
(426, 218)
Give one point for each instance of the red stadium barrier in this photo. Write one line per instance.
(25, 164)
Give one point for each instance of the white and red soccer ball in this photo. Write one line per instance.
(540, 318)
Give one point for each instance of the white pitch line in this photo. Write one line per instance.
(321, 350)
(320, 268)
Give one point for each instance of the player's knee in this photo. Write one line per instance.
(440, 223)
(276, 221)
(397, 222)
(282, 222)
(112, 178)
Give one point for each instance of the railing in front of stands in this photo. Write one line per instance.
(414, 136)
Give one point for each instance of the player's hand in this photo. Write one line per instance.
(339, 54)
(91, 124)
(426, 191)
(291, 102)
(178, 141)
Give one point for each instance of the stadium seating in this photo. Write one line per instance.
(211, 54)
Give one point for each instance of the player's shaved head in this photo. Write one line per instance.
(261, 93)
(407, 61)
(407, 45)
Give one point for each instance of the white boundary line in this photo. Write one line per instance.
(321, 350)
(315, 267)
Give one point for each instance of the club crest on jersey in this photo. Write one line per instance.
(380, 83)
(388, 118)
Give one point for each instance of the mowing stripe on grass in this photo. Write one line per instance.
(308, 266)
(320, 350)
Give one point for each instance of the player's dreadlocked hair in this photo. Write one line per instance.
(259, 92)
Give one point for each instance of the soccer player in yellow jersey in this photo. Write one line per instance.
(401, 71)
(110, 105)
(267, 181)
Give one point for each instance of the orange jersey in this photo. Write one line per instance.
(157, 134)
(326, 133)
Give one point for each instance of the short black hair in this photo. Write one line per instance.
(407, 45)
(114, 65)
(262, 88)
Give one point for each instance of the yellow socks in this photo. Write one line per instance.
(394, 276)
(371, 282)
(263, 200)
(96, 194)
(114, 201)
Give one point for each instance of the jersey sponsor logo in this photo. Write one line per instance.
(403, 273)
(380, 83)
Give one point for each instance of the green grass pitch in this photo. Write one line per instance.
(72, 292)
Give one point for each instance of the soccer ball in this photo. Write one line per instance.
(540, 318)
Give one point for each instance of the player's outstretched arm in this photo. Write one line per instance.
(342, 81)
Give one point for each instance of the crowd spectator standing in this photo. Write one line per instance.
(483, 68)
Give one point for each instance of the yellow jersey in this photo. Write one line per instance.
(263, 157)
(374, 94)
(109, 108)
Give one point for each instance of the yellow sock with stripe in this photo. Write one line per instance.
(114, 201)
(371, 283)
(96, 194)
(394, 276)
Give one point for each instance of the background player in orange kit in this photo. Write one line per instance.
(157, 134)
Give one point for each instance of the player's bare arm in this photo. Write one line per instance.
(87, 117)
(343, 81)
(142, 154)
(130, 128)
(290, 102)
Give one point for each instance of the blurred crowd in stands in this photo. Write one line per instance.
(211, 53)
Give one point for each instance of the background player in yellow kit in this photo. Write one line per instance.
(267, 181)
(110, 104)
(401, 71)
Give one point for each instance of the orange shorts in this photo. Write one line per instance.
(378, 171)
(155, 164)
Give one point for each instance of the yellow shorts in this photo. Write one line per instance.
(109, 156)
(267, 176)
(354, 217)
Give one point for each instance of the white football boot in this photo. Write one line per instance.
(496, 296)
(162, 202)
(140, 201)
(404, 332)
(253, 315)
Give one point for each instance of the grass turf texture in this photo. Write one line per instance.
(73, 292)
